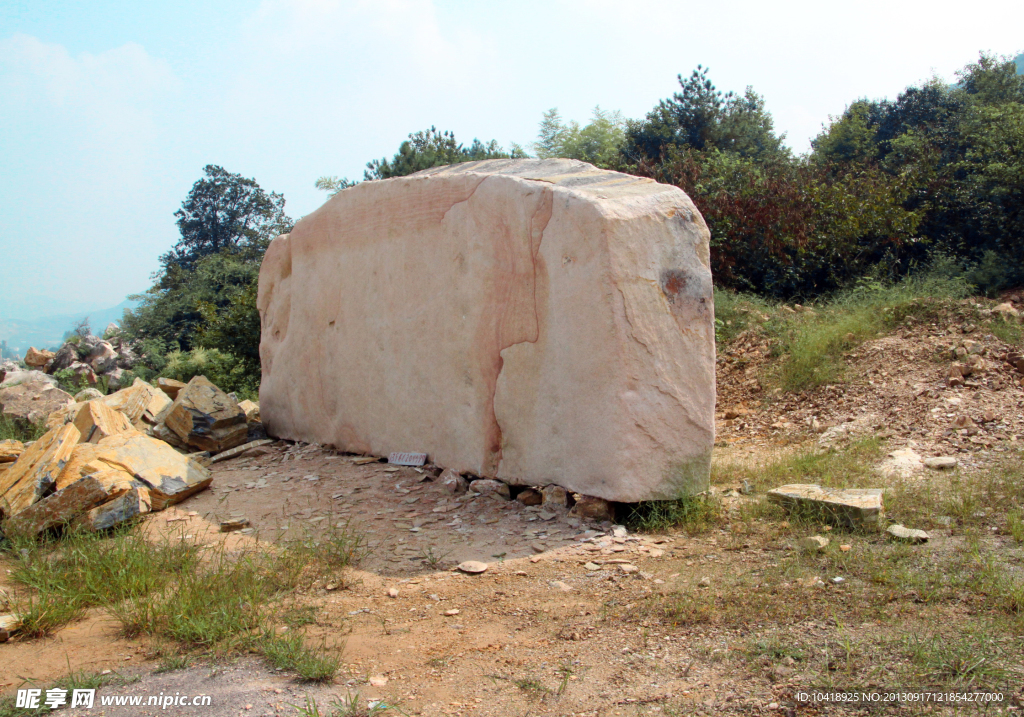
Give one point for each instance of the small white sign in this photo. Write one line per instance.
(407, 459)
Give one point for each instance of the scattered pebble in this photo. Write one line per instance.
(472, 566)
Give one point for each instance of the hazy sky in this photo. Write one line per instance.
(109, 110)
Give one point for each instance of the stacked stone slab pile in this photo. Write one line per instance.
(569, 314)
(101, 461)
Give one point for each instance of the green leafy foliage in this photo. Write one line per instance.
(430, 148)
(225, 211)
(223, 369)
(958, 149)
(205, 296)
(700, 117)
(598, 143)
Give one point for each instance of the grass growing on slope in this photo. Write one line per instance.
(812, 344)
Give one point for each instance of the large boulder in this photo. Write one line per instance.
(95, 421)
(206, 418)
(36, 358)
(102, 358)
(63, 506)
(537, 321)
(65, 356)
(13, 378)
(168, 476)
(32, 401)
(141, 402)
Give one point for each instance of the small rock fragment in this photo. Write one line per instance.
(559, 585)
(530, 497)
(453, 481)
(555, 496)
(940, 462)
(627, 568)
(227, 526)
(813, 544)
(491, 487)
(392, 592)
(378, 681)
(451, 613)
(407, 459)
(170, 386)
(472, 566)
(907, 535)
(593, 508)
(592, 566)
(850, 506)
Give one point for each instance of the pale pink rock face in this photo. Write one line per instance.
(537, 321)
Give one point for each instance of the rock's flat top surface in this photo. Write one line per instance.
(535, 321)
(858, 505)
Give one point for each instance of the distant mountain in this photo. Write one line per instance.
(1020, 63)
(47, 332)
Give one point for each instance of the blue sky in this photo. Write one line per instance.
(110, 110)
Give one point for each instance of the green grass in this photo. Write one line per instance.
(73, 681)
(736, 312)
(347, 706)
(66, 576)
(850, 466)
(695, 514)
(964, 660)
(198, 598)
(289, 652)
(300, 616)
(812, 344)
(13, 430)
(1015, 524)
(1012, 332)
(531, 685)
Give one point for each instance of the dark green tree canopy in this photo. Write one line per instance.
(431, 148)
(225, 211)
(702, 118)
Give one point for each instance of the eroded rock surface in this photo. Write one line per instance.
(537, 321)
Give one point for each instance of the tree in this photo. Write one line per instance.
(598, 142)
(333, 185)
(431, 148)
(225, 211)
(701, 117)
(226, 223)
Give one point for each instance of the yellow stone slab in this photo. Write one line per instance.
(34, 474)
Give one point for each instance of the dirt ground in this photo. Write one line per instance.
(569, 618)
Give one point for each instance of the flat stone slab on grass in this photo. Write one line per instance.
(854, 507)
(940, 462)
